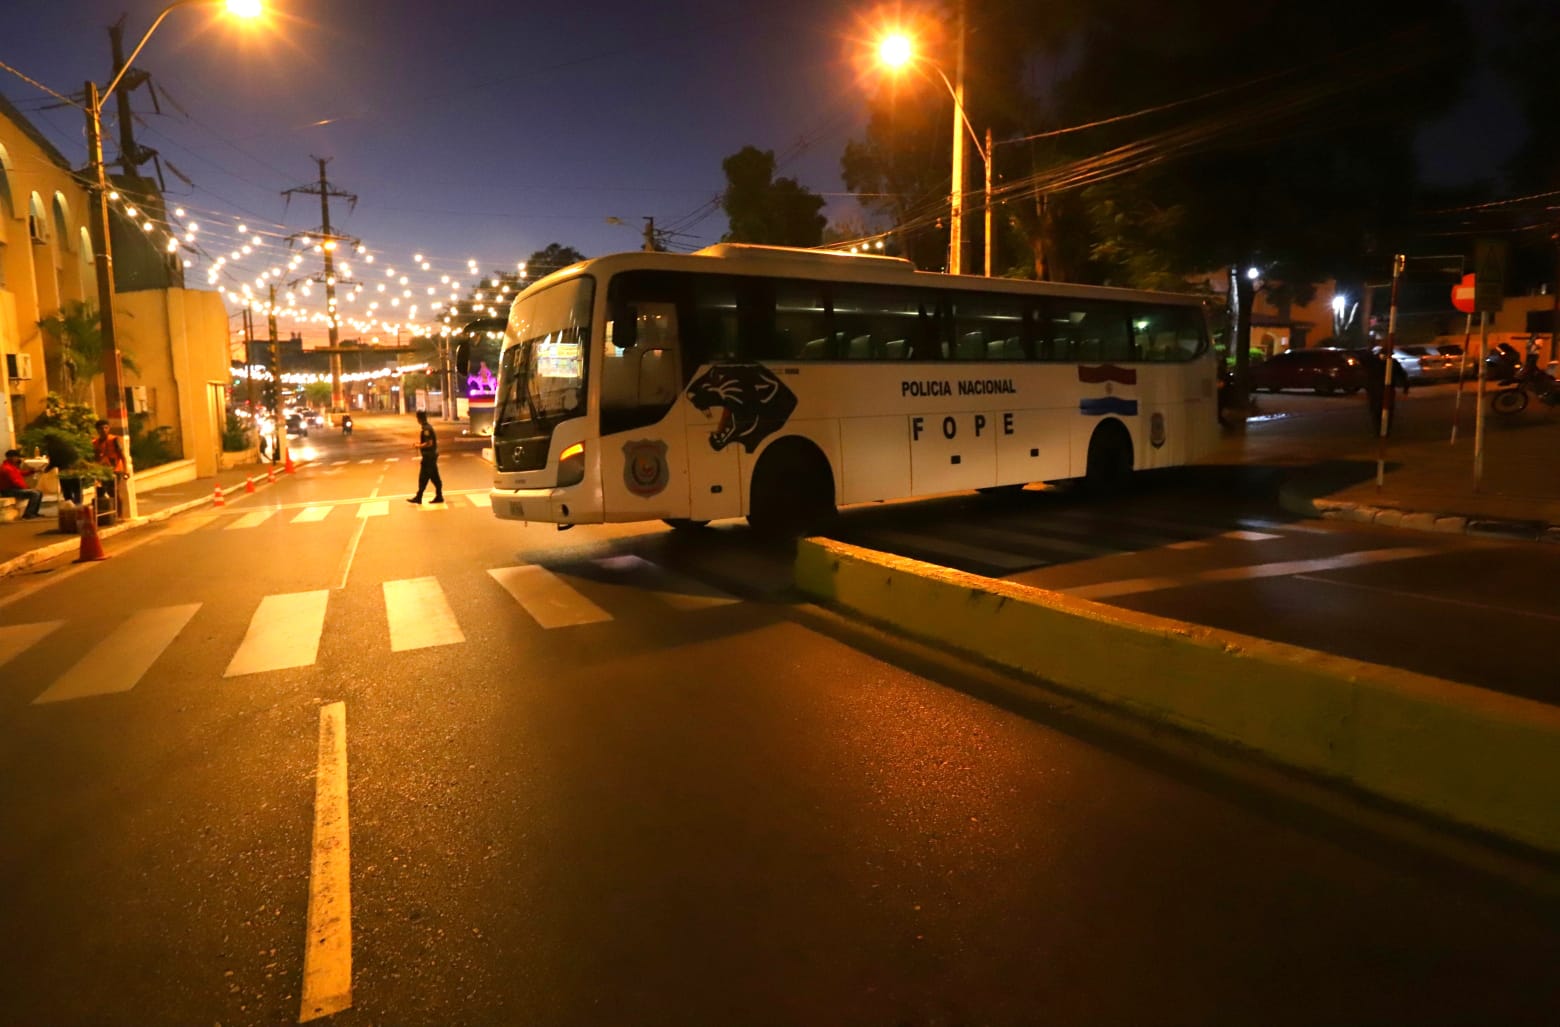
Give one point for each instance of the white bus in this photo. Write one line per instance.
(780, 384)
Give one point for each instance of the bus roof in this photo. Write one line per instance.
(787, 262)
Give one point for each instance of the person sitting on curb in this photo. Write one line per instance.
(13, 484)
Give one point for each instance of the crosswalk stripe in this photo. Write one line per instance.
(1286, 568)
(284, 632)
(419, 615)
(310, 514)
(551, 601)
(678, 592)
(956, 550)
(337, 463)
(1249, 536)
(17, 638)
(480, 499)
(1191, 543)
(187, 523)
(368, 461)
(426, 507)
(379, 509)
(252, 520)
(392, 459)
(124, 655)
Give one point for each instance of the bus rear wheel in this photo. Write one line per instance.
(792, 492)
(1109, 469)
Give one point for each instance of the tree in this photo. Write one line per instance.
(763, 209)
(316, 394)
(554, 258)
(77, 354)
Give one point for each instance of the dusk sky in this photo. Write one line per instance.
(480, 129)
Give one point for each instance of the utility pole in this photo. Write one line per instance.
(249, 362)
(279, 447)
(131, 155)
(650, 246)
(988, 203)
(329, 240)
(956, 191)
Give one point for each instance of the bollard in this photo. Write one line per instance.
(216, 496)
(91, 544)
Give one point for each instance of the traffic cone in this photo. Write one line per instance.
(91, 544)
(289, 462)
(249, 483)
(216, 496)
(270, 474)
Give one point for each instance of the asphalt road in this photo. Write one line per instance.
(613, 776)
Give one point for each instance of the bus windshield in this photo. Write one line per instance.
(542, 375)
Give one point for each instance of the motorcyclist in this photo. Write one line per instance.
(346, 424)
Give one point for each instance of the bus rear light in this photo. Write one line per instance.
(571, 465)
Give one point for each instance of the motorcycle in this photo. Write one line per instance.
(1513, 399)
(346, 426)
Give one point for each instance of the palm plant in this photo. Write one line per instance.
(77, 355)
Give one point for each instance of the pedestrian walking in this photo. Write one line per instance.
(1376, 393)
(428, 446)
(13, 484)
(110, 452)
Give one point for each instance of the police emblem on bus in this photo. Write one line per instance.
(754, 403)
(644, 466)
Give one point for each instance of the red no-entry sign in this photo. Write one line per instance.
(1462, 294)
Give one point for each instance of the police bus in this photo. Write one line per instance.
(780, 384)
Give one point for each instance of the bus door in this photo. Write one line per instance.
(644, 465)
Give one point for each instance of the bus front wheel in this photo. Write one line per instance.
(792, 492)
(684, 523)
(1109, 468)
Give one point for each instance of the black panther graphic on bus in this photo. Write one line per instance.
(754, 403)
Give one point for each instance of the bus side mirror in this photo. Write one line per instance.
(625, 325)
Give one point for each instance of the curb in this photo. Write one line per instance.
(64, 547)
(1479, 759)
(1294, 501)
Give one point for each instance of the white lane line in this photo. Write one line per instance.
(392, 459)
(351, 553)
(327, 949)
(380, 508)
(18, 638)
(479, 499)
(337, 463)
(419, 615)
(1249, 536)
(1467, 604)
(1287, 568)
(679, 593)
(123, 657)
(1283, 526)
(283, 633)
(368, 461)
(955, 550)
(252, 520)
(187, 523)
(310, 514)
(548, 598)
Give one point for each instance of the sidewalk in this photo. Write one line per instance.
(24, 544)
(1330, 455)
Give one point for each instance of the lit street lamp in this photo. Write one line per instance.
(113, 378)
(896, 51)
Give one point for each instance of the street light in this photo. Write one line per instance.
(103, 260)
(897, 50)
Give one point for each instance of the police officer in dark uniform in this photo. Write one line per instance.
(428, 446)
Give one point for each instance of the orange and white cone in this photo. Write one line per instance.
(249, 483)
(289, 467)
(216, 496)
(270, 474)
(91, 544)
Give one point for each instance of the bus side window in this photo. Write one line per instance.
(802, 316)
(639, 381)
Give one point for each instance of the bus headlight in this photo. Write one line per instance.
(571, 465)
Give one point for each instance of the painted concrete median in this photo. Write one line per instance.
(1478, 758)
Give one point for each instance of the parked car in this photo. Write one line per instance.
(1455, 364)
(1427, 363)
(1323, 371)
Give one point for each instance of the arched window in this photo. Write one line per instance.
(37, 219)
(7, 209)
(63, 236)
